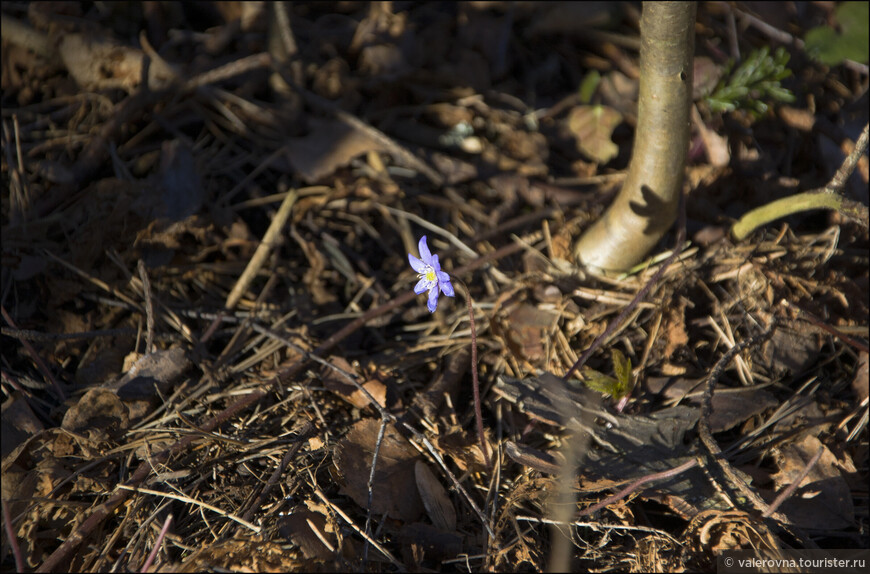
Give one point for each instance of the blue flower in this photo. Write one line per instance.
(431, 277)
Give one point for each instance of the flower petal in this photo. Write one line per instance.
(433, 300)
(418, 265)
(435, 263)
(425, 254)
(423, 285)
(446, 285)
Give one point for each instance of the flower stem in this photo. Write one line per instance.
(475, 383)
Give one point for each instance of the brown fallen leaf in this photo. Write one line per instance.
(338, 384)
(593, 127)
(464, 449)
(99, 414)
(329, 146)
(395, 486)
(529, 326)
(730, 408)
(711, 532)
(435, 499)
(299, 528)
(823, 500)
(674, 327)
(793, 350)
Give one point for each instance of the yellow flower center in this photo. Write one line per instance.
(430, 274)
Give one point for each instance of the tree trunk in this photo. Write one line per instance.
(646, 206)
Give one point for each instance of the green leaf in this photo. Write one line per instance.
(622, 370)
(615, 387)
(588, 86)
(753, 84)
(600, 382)
(831, 48)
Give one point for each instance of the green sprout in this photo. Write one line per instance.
(616, 387)
(754, 81)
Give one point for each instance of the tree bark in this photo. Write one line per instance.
(646, 206)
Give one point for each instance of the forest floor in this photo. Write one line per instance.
(211, 336)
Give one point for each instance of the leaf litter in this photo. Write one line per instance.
(135, 393)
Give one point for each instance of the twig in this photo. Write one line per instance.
(637, 484)
(169, 315)
(787, 38)
(807, 316)
(453, 479)
(362, 533)
(269, 242)
(149, 308)
(447, 235)
(385, 308)
(371, 485)
(848, 167)
(794, 485)
(475, 383)
(13, 539)
(434, 228)
(30, 335)
(90, 159)
(828, 197)
(306, 431)
(157, 544)
(716, 461)
(384, 416)
(61, 554)
(227, 71)
(394, 148)
(194, 502)
(598, 526)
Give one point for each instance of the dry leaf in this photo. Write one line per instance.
(823, 500)
(529, 326)
(395, 486)
(793, 350)
(571, 18)
(241, 554)
(729, 408)
(674, 327)
(593, 127)
(435, 500)
(99, 414)
(298, 528)
(712, 532)
(533, 458)
(338, 384)
(98, 64)
(329, 146)
(464, 449)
